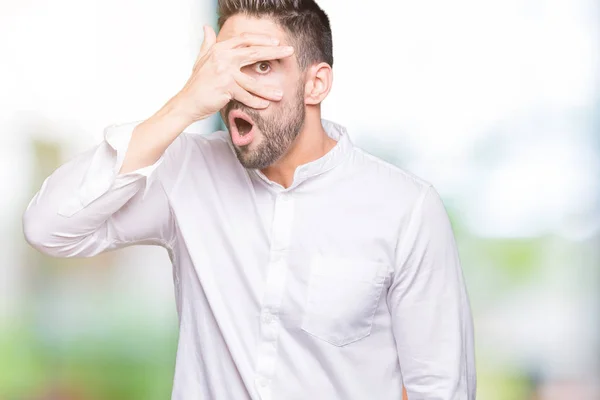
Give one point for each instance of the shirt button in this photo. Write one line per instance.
(284, 197)
(262, 382)
(267, 318)
(277, 257)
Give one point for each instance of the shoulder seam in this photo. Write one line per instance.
(416, 207)
(415, 178)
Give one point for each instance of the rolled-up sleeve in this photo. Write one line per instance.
(431, 313)
(85, 206)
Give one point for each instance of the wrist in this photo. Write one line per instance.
(173, 112)
(166, 124)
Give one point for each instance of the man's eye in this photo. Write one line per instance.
(262, 67)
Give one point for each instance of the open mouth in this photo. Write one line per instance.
(242, 128)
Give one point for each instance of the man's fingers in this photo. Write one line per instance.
(248, 99)
(253, 86)
(251, 55)
(249, 39)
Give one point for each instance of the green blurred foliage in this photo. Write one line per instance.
(96, 370)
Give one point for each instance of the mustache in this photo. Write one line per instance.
(236, 105)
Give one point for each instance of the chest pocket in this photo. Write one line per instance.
(343, 295)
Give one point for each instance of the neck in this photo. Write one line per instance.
(311, 144)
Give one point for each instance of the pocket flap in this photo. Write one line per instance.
(349, 268)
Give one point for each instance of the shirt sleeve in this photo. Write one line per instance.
(432, 322)
(86, 207)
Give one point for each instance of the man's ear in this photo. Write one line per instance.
(319, 79)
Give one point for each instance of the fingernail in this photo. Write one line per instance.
(275, 40)
(278, 93)
(289, 49)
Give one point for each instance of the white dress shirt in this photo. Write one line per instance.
(343, 286)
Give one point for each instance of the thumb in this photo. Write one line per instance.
(210, 38)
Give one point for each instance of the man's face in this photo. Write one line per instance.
(274, 128)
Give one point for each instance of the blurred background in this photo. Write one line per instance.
(495, 102)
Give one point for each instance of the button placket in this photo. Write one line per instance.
(274, 289)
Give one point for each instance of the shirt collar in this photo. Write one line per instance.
(319, 166)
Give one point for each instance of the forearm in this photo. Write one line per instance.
(68, 215)
(151, 138)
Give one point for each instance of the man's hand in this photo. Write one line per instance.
(217, 77)
(216, 80)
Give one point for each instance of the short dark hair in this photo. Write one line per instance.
(305, 22)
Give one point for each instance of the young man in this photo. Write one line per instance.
(304, 268)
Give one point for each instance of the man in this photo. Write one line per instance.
(304, 267)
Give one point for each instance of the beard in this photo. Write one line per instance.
(278, 130)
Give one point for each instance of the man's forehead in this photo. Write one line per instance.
(238, 24)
